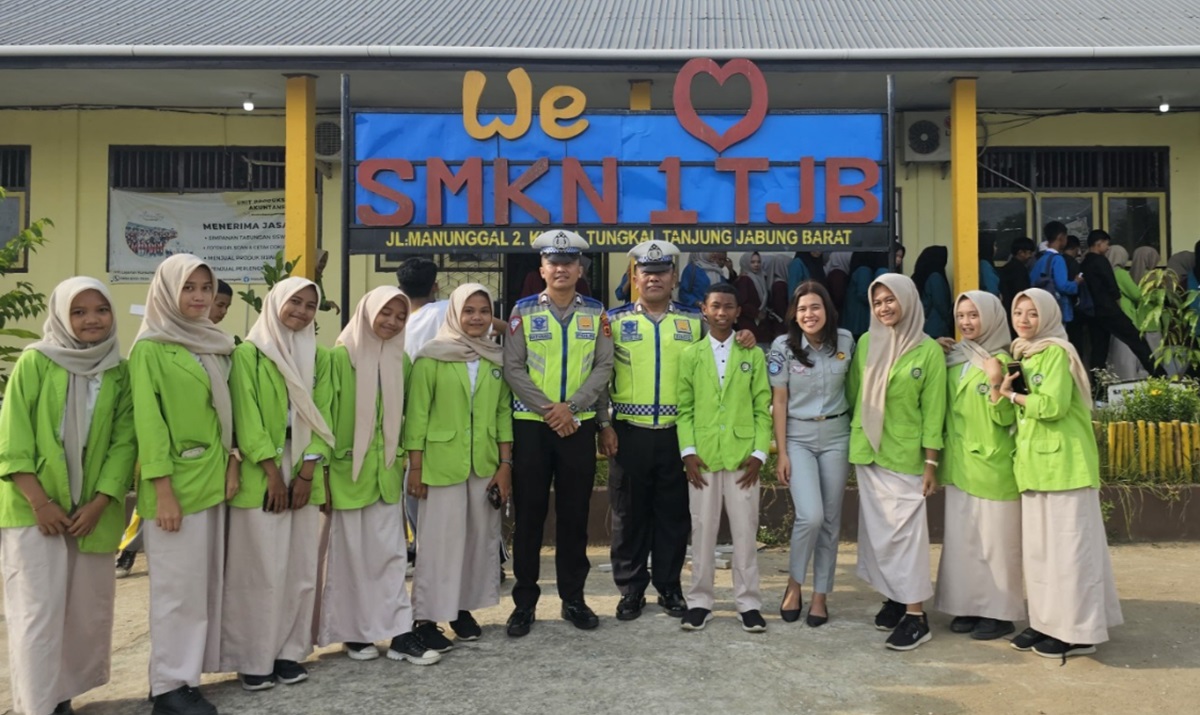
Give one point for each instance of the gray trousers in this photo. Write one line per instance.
(819, 453)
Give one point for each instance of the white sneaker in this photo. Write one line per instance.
(367, 652)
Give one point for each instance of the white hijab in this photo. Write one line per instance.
(886, 347)
(82, 361)
(452, 344)
(1051, 332)
(165, 322)
(993, 331)
(294, 353)
(379, 373)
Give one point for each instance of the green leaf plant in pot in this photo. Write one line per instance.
(1169, 309)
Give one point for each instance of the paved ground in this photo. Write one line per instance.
(650, 665)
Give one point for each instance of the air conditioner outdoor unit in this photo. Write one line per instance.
(329, 140)
(926, 136)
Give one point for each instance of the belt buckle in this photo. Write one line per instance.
(820, 418)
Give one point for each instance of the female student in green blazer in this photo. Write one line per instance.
(281, 401)
(66, 459)
(182, 412)
(1068, 575)
(459, 415)
(979, 576)
(898, 373)
(362, 591)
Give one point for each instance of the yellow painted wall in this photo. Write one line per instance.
(69, 176)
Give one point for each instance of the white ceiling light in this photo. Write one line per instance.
(248, 105)
(1164, 106)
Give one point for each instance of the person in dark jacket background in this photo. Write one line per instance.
(1107, 319)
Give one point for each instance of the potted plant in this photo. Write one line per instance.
(1169, 309)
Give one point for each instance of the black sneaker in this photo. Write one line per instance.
(989, 629)
(125, 561)
(695, 619)
(1028, 639)
(578, 613)
(673, 603)
(431, 636)
(465, 627)
(64, 708)
(911, 632)
(254, 683)
(1050, 647)
(289, 672)
(361, 651)
(889, 616)
(964, 624)
(409, 647)
(752, 621)
(630, 606)
(519, 622)
(182, 701)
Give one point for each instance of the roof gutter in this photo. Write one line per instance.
(558, 53)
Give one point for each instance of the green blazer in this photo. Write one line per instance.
(178, 431)
(724, 424)
(458, 431)
(915, 411)
(30, 442)
(260, 418)
(1056, 447)
(978, 457)
(376, 481)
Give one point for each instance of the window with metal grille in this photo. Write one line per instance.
(14, 168)
(184, 169)
(14, 207)
(1075, 169)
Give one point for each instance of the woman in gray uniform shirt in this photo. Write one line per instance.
(807, 367)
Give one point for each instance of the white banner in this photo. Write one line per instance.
(236, 233)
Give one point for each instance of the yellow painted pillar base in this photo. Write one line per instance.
(964, 249)
(300, 174)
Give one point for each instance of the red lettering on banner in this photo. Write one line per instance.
(808, 198)
(507, 194)
(685, 111)
(365, 175)
(438, 174)
(741, 169)
(835, 190)
(575, 179)
(674, 213)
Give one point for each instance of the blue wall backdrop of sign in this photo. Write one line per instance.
(422, 183)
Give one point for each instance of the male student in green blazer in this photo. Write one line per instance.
(724, 429)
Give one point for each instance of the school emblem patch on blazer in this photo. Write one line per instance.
(745, 367)
(1037, 379)
(982, 389)
(916, 373)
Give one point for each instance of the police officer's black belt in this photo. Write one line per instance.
(822, 418)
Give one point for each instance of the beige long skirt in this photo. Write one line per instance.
(270, 588)
(1068, 572)
(363, 598)
(187, 568)
(980, 571)
(459, 568)
(893, 534)
(58, 607)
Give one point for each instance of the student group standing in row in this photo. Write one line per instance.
(242, 449)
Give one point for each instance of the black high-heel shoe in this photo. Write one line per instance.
(790, 615)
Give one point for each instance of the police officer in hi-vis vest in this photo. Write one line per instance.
(647, 487)
(557, 359)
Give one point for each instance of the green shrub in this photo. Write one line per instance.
(1162, 400)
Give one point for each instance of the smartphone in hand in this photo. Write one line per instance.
(1018, 385)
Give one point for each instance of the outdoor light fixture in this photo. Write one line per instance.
(1164, 106)
(248, 105)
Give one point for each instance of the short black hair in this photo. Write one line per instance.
(1073, 242)
(1096, 236)
(1024, 243)
(416, 276)
(224, 288)
(719, 288)
(1053, 230)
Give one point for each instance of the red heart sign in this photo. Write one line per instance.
(697, 127)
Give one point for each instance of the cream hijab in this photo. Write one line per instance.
(886, 347)
(993, 333)
(82, 361)
(758, 278)
(379, 372)
(294, 353)
(164, 322)
(1051, 332)
(1145, 259)
(452, 344)
(1117, 256)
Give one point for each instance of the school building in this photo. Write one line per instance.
(137, 125)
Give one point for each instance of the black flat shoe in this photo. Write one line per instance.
(790, 615)
(815, 621)
(964, 624)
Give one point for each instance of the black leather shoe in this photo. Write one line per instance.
(964, 624)
(989, 629)
(815, 621)
(630, 606)
(790, 615)
(519, 622)
(64, 708)
(183, 701)
(578, 613)
(673, 602)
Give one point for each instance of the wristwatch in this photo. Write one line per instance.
(574, 408)
(604, 424)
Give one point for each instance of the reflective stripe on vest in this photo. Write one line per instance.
(646, 362)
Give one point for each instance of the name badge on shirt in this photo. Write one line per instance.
(585, 328)
(683, 329)
(192, 453)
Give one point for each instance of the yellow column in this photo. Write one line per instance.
(300, 198)
(964, 250)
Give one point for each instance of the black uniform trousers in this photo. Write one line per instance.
(1118, 326)
(540, 459)
(648, 493)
